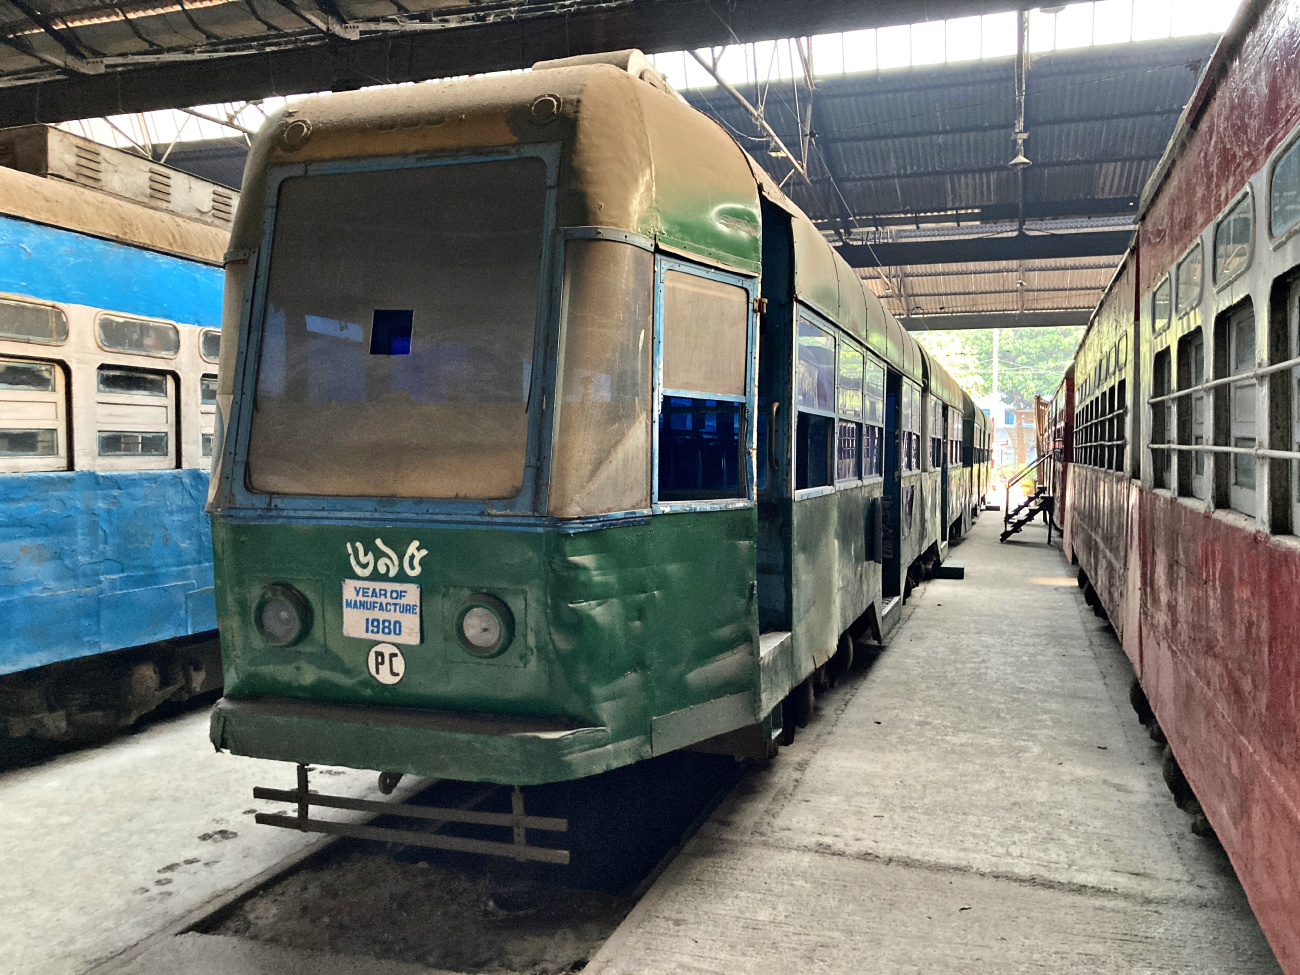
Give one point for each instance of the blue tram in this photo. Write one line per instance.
(109, 308)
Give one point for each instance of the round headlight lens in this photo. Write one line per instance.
(282, 615)
(481, 628)
(486, 625)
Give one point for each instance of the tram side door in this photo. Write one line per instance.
(892, 583)
(945, 524)
(772, 465)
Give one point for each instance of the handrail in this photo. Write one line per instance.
(1030, 468)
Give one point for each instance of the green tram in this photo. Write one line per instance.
(553, 436)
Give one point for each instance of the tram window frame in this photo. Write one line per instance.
(1163, 424)
(1193, 417)
(1240, 406)
(207, 414)
(158, 326)
(204, 335)
(910, 424)
(1244, 205)
(1161, 306)
(129, 418)
(58, 322)
(873, 419)
(1290, 157)
(1185, 303)
(936, 432)
(1293, 332)
(469, 443)
(815, 424)
(27, 412)
(683, 365)
(849, 445)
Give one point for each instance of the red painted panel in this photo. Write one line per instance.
(1252, 109)
(1221, 667)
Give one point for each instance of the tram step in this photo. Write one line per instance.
(950, 570)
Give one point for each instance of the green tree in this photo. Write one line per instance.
(1032, 360)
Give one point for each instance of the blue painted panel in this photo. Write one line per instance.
(93, 561)
(60, 265)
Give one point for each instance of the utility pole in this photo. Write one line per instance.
(997, 398)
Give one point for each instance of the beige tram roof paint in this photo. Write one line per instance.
(58, 203)
(633, 157)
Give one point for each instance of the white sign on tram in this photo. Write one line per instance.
(390, 610)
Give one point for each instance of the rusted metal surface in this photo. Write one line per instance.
(1247, 112)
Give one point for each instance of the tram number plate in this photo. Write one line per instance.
(381, 610)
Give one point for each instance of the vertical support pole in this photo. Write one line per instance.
(517, 811)
(302, 796)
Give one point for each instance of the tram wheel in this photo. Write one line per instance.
(801, 704)
(842, 663)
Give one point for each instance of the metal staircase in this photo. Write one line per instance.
(1038, 503)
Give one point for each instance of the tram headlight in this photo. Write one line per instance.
(485, 625)
(282, 615)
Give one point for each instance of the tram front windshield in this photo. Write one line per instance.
(397, 341)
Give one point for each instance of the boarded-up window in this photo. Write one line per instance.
(397, 342)
(600, 461)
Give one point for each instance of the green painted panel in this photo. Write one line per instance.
(612, 626)
(834, 583)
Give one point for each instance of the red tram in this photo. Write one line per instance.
(1176, 442)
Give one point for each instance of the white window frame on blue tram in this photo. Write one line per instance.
(664, 264)
(232, 494)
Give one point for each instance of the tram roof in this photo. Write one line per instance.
(635, 158)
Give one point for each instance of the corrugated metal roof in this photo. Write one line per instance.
(939, 138)
(994, 286)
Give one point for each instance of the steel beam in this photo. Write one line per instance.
(997, 319)
(1014, 247)
(245, 70)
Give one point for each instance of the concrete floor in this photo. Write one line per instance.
(104, 847)
(982, 800)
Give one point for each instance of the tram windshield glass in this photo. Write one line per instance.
(397, 347)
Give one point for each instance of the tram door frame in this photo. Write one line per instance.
(891, 583)
(945, 485)
(775, 421)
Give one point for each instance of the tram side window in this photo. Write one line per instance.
(33, 417)
(1191, 418)
(124, 334)
(27, 321)
(1232, 239)
(1241, 400)
(815, 398)
(701, 418)
(911, 427)
(207, 413)
(1293, 315)
(136, 418)
(936, 434)
(1160, 309)
(600, 458)
(1190, 275)
(873, 444)
(1162, 418)
(848, 451)
(1284, 191)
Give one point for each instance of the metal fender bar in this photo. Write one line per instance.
(516, 820)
